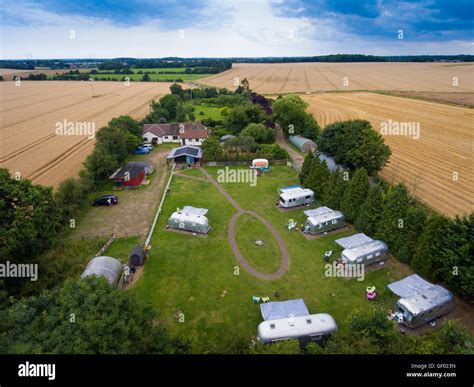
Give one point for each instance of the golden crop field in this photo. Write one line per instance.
(438, 166)
(30, 112)
(314, 77)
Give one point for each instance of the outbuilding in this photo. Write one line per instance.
(323, 219)
(129, 176)
(189, 155)
(146, 165)
(104, 266)
(190, 219)
(302, 143)
(137, 256)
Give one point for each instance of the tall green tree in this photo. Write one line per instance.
(318, 177)
(84, 317)
(335, 188)
(306, 167)
(371, 211)
(355, 144)
(392, 222)
(355, 194)
(171, 103)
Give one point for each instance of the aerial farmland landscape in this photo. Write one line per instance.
(236, 178)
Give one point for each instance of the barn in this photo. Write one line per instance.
(131, 175)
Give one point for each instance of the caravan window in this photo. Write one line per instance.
(334, 221)
(377, 253)
(282, 200)
(307, 197)
(370, 256)
(316, 337)
(360, 260)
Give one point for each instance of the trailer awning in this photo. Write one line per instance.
(283, 309)
(353, 241)
(317, 211)
(409, 286)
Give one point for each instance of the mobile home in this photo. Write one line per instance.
(312, 327)
(366, 253)
(190, 219)
(295, 197)
(323, 219)
(424, 307)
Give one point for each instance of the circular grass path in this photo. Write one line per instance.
(284, 257)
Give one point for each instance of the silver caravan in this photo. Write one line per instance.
(295, 197)
(312, 327)
(424, 307)
(366, 253)
(190, 219)
(323, 219)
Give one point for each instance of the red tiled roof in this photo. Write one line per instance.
(194, 133)
(161, 130)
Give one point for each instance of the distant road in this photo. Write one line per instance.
(294, 155)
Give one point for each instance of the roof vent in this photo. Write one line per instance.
(272, 326)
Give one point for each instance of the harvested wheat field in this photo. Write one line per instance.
(314, 77)
(428, 165)
(30, 112)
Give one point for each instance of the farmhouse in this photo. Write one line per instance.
(131, 175)
(104, 266)
(194, 137)
(194, 132)
(302, 143)
(190, 155)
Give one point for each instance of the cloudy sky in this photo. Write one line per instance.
(226, 28)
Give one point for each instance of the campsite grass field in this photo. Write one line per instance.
(195, 276)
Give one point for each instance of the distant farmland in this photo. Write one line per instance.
(314, 77)
(29, 114)
(429, 164)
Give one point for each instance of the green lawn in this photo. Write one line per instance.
(265, 258)
(196, 275)
(207, 111)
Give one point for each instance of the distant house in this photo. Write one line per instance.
(173, 133)
(129, 176)
(188, 154)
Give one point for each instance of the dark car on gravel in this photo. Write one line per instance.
(105, 200)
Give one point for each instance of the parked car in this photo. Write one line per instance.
(105, 200)
(149, 146)
(141, 151)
